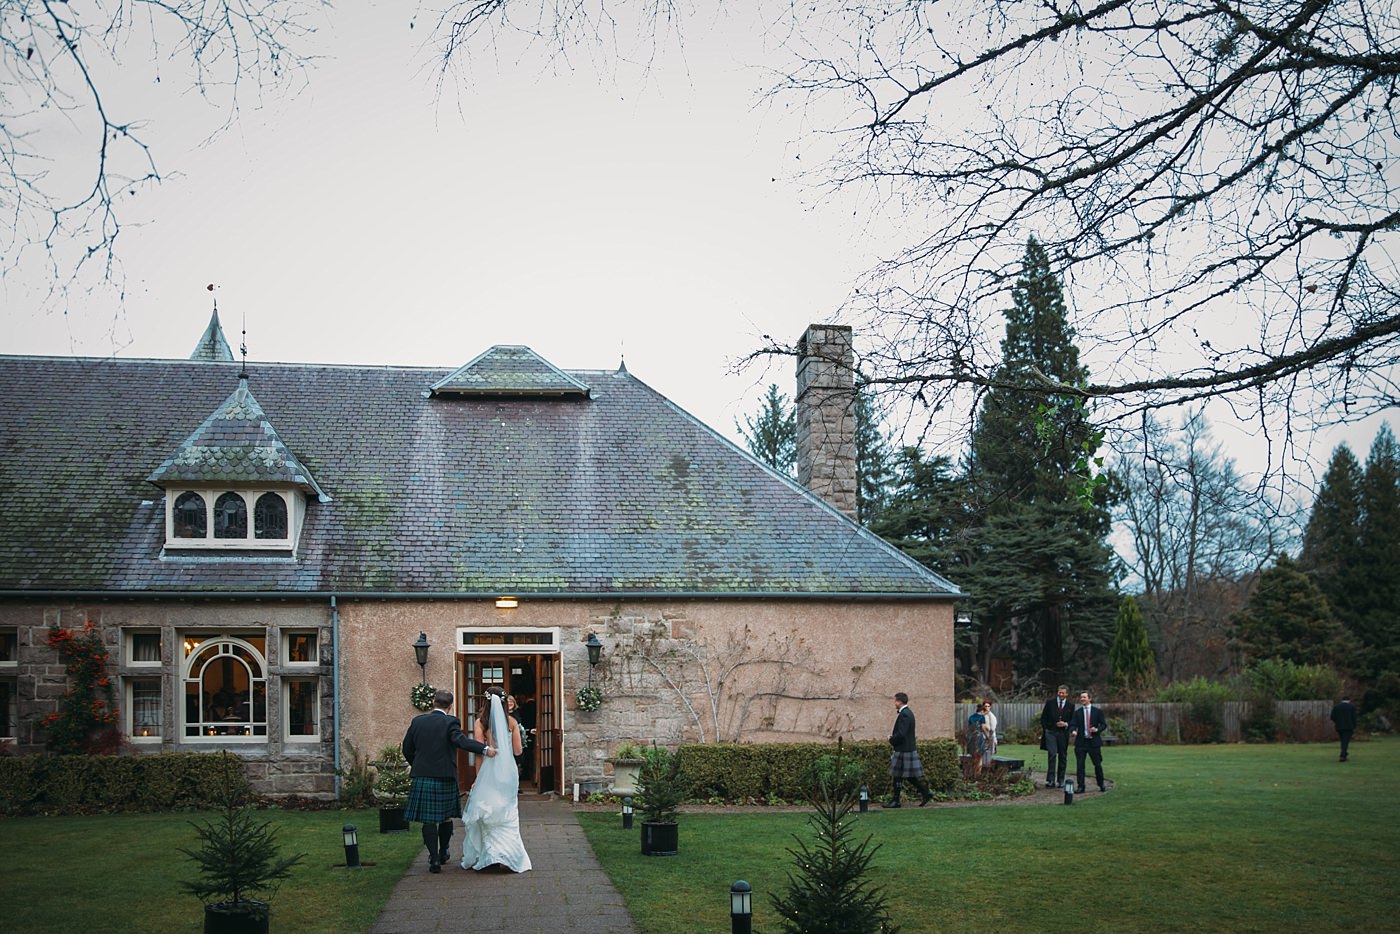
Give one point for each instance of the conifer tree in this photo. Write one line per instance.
(1331, 553)
(1287, 617)
(1038, 560)
(874, 471)
(771, 434)
(828, 890)
(1133, 669)
(1376, 603)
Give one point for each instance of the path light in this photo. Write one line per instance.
(352, 847)
(740, 908)
(1069, 792)
(626, 813)
(420, 649)
(864, 799)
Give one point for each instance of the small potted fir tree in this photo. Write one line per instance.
(237, 860)
(391, 787)
(660, 790)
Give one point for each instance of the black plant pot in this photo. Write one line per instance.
(660, 839)
(249, 916)
(391, 820)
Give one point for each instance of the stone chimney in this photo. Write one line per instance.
(826, 415)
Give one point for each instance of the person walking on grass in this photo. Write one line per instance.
(1344, 719)
(904, 760)
(1054, 736)
(430, 746)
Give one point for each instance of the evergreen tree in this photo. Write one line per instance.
(771, 435)
(1377, 602)
(925, 512)
(874, 470)
(1039, 564)
(829, 890)
(1332, 539)
(1131, 665)
(1288, 618)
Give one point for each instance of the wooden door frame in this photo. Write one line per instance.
(546, 657)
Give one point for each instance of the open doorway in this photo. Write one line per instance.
(531, 679)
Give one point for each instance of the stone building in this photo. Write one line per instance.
(262, 546)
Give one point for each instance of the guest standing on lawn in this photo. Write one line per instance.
(1054, 736)
(430, 746)
(1087, 733)
(904, 761)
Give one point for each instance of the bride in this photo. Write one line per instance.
(493, 809)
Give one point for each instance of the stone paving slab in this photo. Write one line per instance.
(566, 890)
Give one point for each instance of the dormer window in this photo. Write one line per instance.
(192, 514)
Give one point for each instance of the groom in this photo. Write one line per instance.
(430, 746)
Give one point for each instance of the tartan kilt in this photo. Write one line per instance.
(433, 800)
(906, 765)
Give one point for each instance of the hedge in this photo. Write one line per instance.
(88, 784)
(763, 771)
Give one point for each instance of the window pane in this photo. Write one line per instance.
(7, 707)
(145, 707)
(145, 647)
(226, 690)
(270, 516)
(301, 647)
(190, 521)
(230, 516)
(301, 707)
(9, 645)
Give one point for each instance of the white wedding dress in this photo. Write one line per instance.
(493, 809)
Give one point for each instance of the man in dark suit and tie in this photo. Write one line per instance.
(1087, 732)
(1344, 719)
(1054, 736)
(430, 746)
(904, 761)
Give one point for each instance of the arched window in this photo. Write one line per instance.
(190, 519)
(226, 690)
(270, 516)
(230, 516)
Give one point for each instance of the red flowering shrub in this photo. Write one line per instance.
(87, 713)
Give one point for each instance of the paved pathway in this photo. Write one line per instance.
(566, 890)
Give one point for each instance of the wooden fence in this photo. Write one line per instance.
(1299, 721)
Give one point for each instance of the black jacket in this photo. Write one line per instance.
(431, 745)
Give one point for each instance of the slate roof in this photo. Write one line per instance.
(212, 346)
(507, 370)
(620, 493)
(235, 445)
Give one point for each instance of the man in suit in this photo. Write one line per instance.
(430, 746)
(1344, 719)
(904, 761)
(1054, 736)
(1086, 729)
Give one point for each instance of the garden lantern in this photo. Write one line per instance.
(352, 847)
(740, 908)
(626, 813)
(420, 650)
(864, 799)
(1069, 792)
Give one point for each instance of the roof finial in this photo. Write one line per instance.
(243, 349)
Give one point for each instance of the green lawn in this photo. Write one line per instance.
(1199, 838)
(121, 872)
(1214, 838)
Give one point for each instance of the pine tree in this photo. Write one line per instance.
(1332, 539)
(1288, 618)
(1039, 564)
(1377, 602)
(874, 472)
(771, 434)
(1132, 667)
(829, 891)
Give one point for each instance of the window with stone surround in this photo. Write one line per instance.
(143, 710)
(9, 697)
(301, 709)
(225, 688)
(219, 519)
(9, 647)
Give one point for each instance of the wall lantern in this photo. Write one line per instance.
(740, 908)
(420, 649)
(595, 649)
(626, 813)
(507, 603)
(352, 847)
(963, 620)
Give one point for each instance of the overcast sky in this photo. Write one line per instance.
(367, 220)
